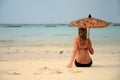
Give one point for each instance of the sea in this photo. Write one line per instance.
(42, 35)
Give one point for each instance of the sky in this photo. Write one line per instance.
(57, 11)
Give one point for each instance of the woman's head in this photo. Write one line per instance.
(82, 32)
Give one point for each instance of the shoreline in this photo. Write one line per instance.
(26, 56)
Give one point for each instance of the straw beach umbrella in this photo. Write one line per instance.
(89, 22)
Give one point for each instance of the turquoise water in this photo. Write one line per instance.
(39, 35)
(106, 36)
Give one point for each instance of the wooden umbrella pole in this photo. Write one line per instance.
(88, 33)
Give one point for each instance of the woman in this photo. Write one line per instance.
(82, 46)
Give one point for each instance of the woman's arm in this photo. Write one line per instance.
(73, 55)
(91, 50)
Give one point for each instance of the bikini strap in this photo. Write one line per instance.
(80, 46)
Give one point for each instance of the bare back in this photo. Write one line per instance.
(82, 55)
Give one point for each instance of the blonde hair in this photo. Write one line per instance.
(82, 31)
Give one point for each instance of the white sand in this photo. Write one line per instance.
(49, 63)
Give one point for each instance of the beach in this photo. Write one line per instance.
(23, 57)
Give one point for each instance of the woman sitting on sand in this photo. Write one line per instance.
(82, 46)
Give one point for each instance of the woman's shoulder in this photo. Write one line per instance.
(88, 39)
(76, 39)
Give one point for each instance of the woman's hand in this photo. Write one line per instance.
(69, 66)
